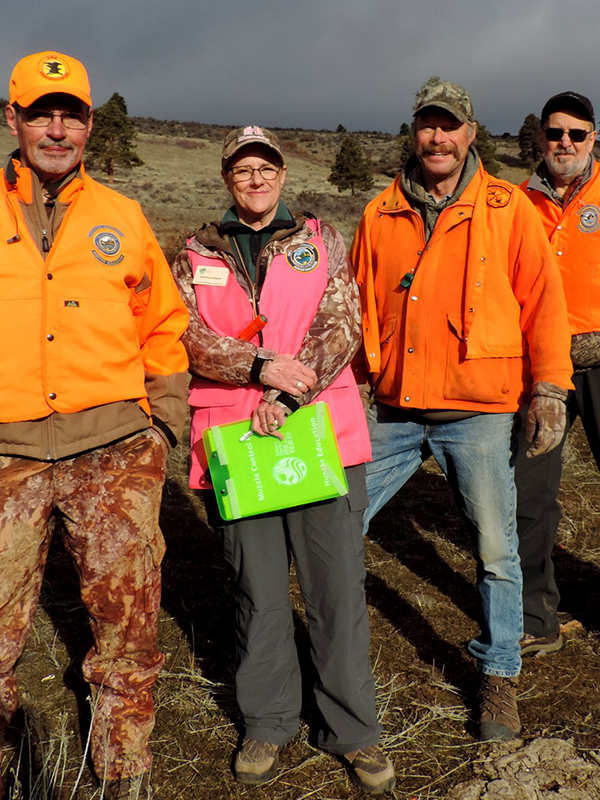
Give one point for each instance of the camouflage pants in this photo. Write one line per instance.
(109, 501)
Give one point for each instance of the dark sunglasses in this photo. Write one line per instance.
(576, 135)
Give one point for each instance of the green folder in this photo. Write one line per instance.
(254, 474)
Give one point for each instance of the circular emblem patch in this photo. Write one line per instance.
(289, 471)
(498, 196)
(589, 219)
(106, 244)
(304, 258)
(54, 68)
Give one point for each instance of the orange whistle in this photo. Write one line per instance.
(257, 324)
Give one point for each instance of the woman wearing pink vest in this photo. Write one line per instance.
(293, 270)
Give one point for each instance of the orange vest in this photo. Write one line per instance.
(574, 234)
(80, 328)
(486, 292)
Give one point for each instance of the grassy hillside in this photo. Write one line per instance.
(180, 184)
(420, 591)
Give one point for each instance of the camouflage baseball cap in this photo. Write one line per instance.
(449, 96)
(251, 134)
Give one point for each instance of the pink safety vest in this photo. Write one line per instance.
(293, 288)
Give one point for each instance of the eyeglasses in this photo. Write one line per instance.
(242, 174)
(73, 120)
(576, 135)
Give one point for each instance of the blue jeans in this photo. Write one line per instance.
(474, 454)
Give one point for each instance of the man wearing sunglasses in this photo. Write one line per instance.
(92, 396)
(565, 189)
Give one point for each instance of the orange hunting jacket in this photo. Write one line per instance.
(485, 313)
(574, 234)
(98, 321)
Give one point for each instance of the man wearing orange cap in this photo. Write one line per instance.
(92, 396)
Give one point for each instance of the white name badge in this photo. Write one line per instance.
(211, 276)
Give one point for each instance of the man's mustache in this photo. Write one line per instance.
(65, 144)
(436, 151)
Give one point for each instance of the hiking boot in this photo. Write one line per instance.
(134, 788)
(371, 770)
(498, 713)
(256, 762)
(539, 646)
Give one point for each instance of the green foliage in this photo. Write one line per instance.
(486, 149)
(352, 170)
(340, 129)
(404, 129)
(529, 146)
(112, 141)
(406, 145)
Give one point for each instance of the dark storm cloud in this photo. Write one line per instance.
(315, 63)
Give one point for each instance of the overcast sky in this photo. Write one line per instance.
(314, 63)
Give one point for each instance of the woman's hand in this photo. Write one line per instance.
(289, 375)
(267, 419)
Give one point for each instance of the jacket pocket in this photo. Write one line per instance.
(386, 380)
(474, 380)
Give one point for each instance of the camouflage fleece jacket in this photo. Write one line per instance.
(331, 340)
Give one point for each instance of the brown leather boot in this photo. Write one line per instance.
(371, 770)
(256, 762)
(498, 713)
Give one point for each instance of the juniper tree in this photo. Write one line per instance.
(486, 149)
(529, 146)
(351, 170)
(406, 144)
(112, 141)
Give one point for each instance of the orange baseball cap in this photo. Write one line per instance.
(46, 73)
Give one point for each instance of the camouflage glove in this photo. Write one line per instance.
(585, 350)
(547, 418)
(366, 396)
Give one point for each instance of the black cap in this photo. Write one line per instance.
(569, 101)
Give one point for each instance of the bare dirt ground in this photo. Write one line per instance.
(422, 605)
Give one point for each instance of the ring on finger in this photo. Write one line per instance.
(299, 384)
(273, 424)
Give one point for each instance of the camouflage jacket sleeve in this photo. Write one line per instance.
(335, 333)
(211, 356)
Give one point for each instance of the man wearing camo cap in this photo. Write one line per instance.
(458, 284)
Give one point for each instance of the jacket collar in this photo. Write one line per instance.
(211, 236)
(394, 200)
(25, 182)
(542, 182)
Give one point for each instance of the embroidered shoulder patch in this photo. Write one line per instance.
(498, 196)
(106, 244)
(303, 258)
(589, 219)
